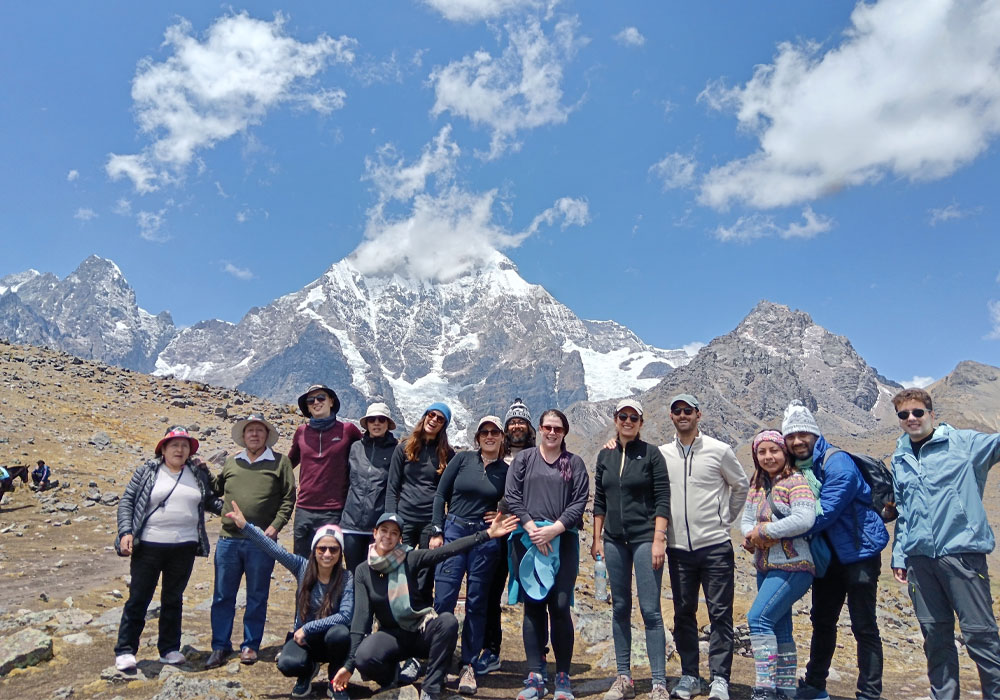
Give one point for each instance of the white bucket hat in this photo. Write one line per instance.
(272, 432)
(377, 409)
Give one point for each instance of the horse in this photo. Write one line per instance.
(18, 472)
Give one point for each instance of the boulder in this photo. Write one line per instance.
(179, 686)
(25, 648)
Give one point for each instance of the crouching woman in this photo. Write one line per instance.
(386, 590)
(324, 602)
(780, 509)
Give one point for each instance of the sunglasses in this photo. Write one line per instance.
(686, 411)
(634, 417)
(492, 432)
(554, 429)
(323, 549)
(436, 417)
(917, 413)
(377, 419)
(316, 399)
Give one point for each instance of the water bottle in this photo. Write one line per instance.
(600, 579)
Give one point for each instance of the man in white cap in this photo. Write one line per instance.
(708, 487)
(263, 483)
(856, 536)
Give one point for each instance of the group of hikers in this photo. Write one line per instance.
(386, 531)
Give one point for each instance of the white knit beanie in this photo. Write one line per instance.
(798, 419)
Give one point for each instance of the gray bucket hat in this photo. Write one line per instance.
(272, 432)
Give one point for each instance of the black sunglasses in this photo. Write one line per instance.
(634, 417)
(687, 411)
(316, 399)
(323, 549)
(377, 419)
(491, 431)
(917, 413)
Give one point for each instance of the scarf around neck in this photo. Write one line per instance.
(806, 467)
(322, 424)
(391, 564)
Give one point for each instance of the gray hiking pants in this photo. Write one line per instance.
(940, 588)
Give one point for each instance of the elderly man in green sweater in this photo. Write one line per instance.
(263, 483)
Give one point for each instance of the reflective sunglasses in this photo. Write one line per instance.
(687, 411)
(316, 399)
(556, 429)
(493, 432)
(917, 413)
(634, 417)
(436, 417)
(377, 419)
(323, 549)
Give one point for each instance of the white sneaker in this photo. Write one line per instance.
(125, 662)
(173, 657)
(719, 690)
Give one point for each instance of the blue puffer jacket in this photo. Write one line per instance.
(940, 496)
(852, 528)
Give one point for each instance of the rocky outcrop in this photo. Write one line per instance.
(25, 648)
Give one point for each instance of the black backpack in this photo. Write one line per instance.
(878, 477)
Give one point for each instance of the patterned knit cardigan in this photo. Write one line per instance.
(794, 500)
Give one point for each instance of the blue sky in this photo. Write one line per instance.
(666, 165)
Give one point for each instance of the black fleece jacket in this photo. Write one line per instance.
(632, 495)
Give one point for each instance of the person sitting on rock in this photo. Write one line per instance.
(386, 590)
(41, 475)
(324, 603)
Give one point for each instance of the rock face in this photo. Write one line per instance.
(475, 342)
(745, 378)
(25, 648)
(92, 313)
(969, 397)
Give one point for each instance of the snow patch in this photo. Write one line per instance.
(359, 368)
(604, 376)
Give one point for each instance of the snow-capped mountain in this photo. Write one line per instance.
(92, 313)
(476, 343)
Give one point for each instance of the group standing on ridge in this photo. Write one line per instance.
(389, 531)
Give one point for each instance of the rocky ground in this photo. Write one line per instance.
(62, 586)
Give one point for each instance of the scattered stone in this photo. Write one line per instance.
(64, 692)
(100, 439)
(179, 686)
(109, 617)
(28, 647)
(78, 638)
(113, 675)
(44, 597)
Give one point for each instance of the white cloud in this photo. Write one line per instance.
(994, 310)
(950, 213)
(72, 175)
(691, 349)
(240, 273)
(85, 214)
(753, 226)
(242, 216)
(676, 170)
(442, 231)
(211, 89)
(479, 10)
(150, 224)
(911, 91)
(917, 382)
(630, 36)
(123, 207)
(520, 89)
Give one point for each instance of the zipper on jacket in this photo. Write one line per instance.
(688, 463)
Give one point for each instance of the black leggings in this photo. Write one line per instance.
(379, 653)
(551, 613)
(331, 646)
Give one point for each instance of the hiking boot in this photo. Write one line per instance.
(409, 672)
(467, 683)
(659, 692)
(248, 656)
(303, 686)
(534, 688)
(562, 691)
(125, 662)
(217, 658)
(174, 658)
(808, 692)
(486, 663)
(687, 687)
(719, 689)
(622, 688)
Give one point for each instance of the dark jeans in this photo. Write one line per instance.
(234, 557)
(479, 563)
(858, 583)
(379, 653)
(710, 569)
(942, 587)
(493, 634)
(330, 646)
(149, 562)
(622, 558)
(552, 614)
(356, 550)
(419, 535)
(306, 523)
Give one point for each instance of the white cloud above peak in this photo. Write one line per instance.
(911, 91)
(519, 89)
(480, 10)
(212, 88)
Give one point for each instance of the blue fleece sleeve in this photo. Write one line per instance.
(344, 612)
(841, 483)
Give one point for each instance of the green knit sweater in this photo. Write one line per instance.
(264, 491)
